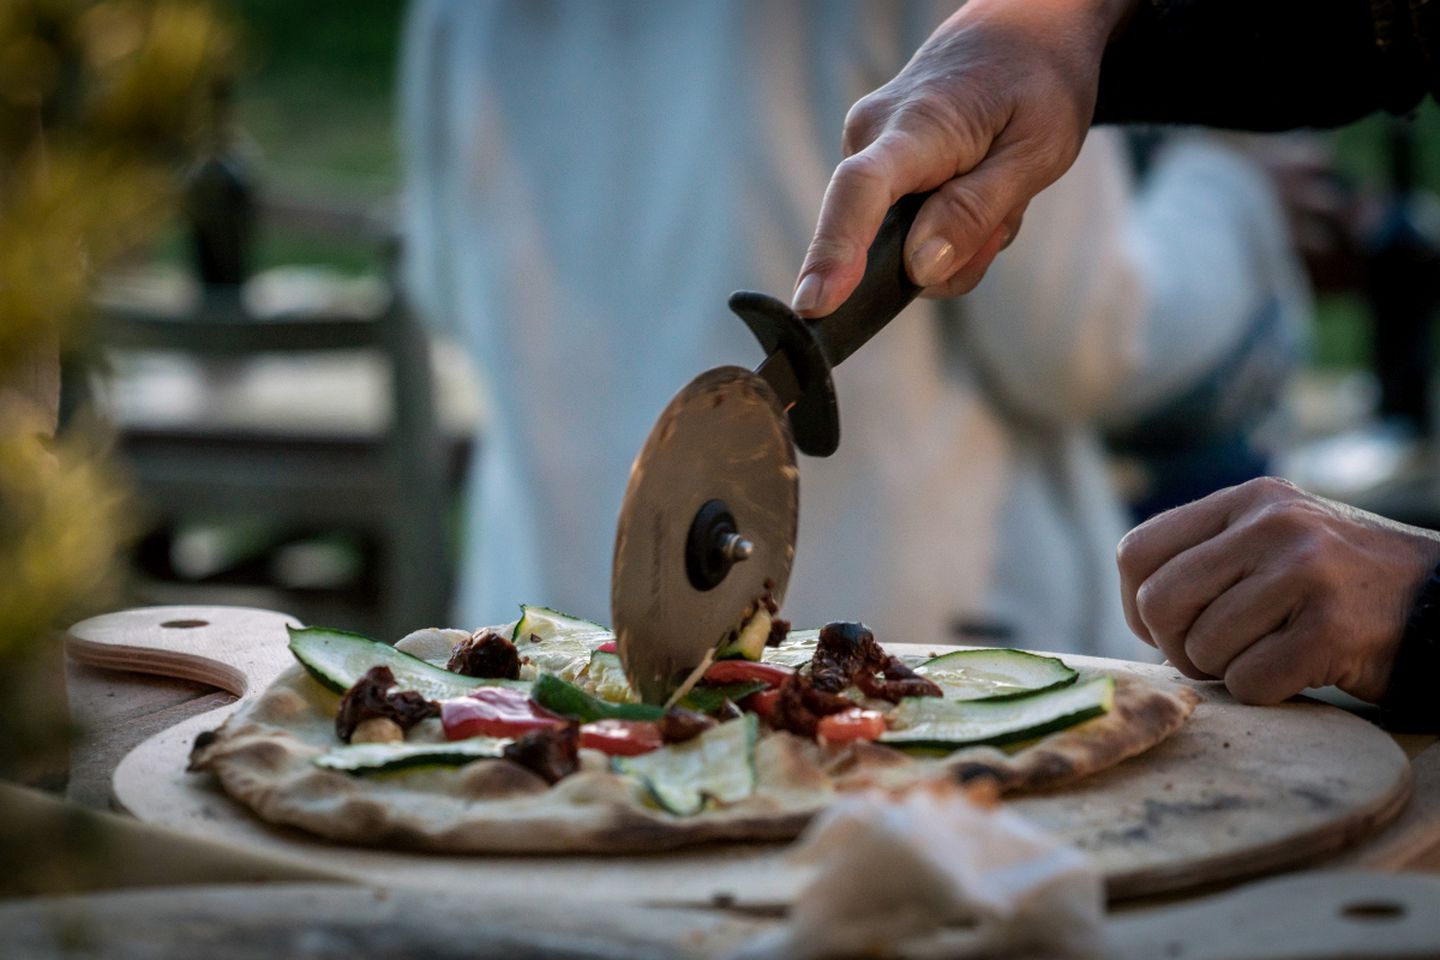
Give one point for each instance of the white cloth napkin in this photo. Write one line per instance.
(932, 872)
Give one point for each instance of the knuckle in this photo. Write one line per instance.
(1127, 551)
(1285, 518)
(1152, 603)
(1253, 684)
(826, 254)
(960, 204)
(863, 172)
(1205, 656)
(1270, 488)
(861, 120)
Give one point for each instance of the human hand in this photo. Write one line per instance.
(991, 110)
(1275, 590)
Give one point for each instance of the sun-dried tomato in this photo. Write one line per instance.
(779, 630)
(485, 654)
(370, 697)
(553, 753)
(847, 654)
(679, 725)
(799, 705)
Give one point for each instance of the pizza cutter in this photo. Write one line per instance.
(708, 524)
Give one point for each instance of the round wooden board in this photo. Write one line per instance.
(1238, 791)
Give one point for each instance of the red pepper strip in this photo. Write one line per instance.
(853, 724)
(494, 712)
(738, 671)
(609, 646)
(621, 738)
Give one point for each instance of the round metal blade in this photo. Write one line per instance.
(722, 437)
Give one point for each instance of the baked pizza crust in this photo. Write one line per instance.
(262, 757)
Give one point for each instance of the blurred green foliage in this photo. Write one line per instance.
(101, 104)
(316, 93)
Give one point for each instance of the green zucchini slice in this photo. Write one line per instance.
(943, 724)
(606, 679)
(363, 758)
(718, 766)
(995, 674)
(337, 659)
(556, 642)
(568, 700)
(749, 643)
(797, 649)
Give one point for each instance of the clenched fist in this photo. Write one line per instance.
(1274, 590)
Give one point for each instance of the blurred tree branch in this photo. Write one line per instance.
(101, 102)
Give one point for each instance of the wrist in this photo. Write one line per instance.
(1409, 701)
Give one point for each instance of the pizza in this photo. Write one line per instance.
(526, 737)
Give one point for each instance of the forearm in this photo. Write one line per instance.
(1266, 64)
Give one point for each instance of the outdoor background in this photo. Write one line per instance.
(315, 113)
(317, 97)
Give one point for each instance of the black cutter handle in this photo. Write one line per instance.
(884, 290)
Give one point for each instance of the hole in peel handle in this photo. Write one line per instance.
(1373, 910)
(884, 290)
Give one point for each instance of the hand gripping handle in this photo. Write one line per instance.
(884, 290)
(814, 347)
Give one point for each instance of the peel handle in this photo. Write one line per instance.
(884, 290)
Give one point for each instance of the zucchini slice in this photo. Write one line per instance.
(568, 700)
(749, 643)
(797, 649)
(943, 724)
(605, 678)
(556, 642)
(337, 659)
(995, 674)
(718, 766)
(362, 758)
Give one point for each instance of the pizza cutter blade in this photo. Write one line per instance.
(708, 524)
(707, 528)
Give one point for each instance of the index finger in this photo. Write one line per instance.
(850, 215)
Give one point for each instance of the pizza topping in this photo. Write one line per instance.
(848, 655)
(742, 671)
(338, 660)
(370, 697)
(799, 704)
(568, 700)
(713, 699)
(377, 730)
(556, 642)
(951, 724)
(487, 654)
(988, 674)
(779, 630)
(494, 712)
(679, 725)
(621, 738)
(553, 753)
(365, 758)
(852, 724)
(715, 768)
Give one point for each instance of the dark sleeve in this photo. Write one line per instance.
(1268, 64)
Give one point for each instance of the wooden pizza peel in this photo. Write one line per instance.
(1237, 792)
